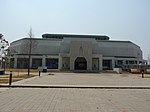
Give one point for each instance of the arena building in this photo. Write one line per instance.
(74, 52)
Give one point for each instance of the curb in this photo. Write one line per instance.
(74, 86)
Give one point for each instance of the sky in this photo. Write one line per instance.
(119, 19)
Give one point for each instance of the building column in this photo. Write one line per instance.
(30, 62)
(71, 63)
(124, 62)
(60, 63)
(89, 64)
(15, 62)
(100, 63)
(43, 61)
(113, 63)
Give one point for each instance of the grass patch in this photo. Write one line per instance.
(146, 75)
(22, 70)
(5, 79)
(25, 76)
(50, 74)
(125, 72)
(124, 75)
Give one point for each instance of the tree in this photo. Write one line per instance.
(30, 46)
(4, 44)
(30, 34)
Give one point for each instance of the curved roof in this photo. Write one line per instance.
(61, 36)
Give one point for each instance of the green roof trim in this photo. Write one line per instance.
(61, 36)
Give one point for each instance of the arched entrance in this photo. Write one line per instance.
(80, 63)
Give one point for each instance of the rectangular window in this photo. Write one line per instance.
(52, 63)
(36, 62)
(120, 62)
(22, 63)
(107, 64)
(12, 62)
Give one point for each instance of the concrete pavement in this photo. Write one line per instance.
(74, 100)
(88, 79)
(77, 99)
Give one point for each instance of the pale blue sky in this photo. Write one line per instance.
(119, 19)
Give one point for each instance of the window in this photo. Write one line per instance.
(52, 63)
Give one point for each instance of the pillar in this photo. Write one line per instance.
(43, 61)
(60, 63)
(15, 62)
(113, 63)
(100, 63)
(30, 62)
(89, 64)
(72, 59)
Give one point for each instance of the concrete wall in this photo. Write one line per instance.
(106, 48)
(95, 64)
(39, 46)
(81, 49)
(65, 63)
(126, 49)
(68, 49)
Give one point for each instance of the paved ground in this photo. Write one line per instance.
(78, 100)
(74, 100)
(94, 79)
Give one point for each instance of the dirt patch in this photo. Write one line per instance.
(50, 74)
(124, 75)
(5, 79)
(22, 70)
(146, 75)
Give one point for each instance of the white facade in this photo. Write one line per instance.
(75, 52)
